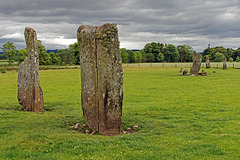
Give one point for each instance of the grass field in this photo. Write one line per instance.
(5, 62)
(179, 117)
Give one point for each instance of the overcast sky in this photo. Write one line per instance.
(193, 22)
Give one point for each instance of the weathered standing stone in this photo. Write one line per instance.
(207, 62)
(30, 94)
(181, 69)
(224, 62)
(101, 78)
(197, 59)
(185, 72)
(203, 73)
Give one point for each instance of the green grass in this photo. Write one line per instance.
(5, 62)
(179, 117)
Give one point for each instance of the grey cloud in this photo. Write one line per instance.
(195, 22)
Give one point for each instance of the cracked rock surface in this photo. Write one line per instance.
(197, 60)
(30, 94)
(101, 78)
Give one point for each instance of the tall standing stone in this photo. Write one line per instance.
(224, 62)
(197, 59)
(101, 78)
(30, 94)
(207, 62)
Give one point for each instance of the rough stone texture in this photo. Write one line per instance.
(185, 72)
(207, 62)
(197, 59)
(101, 78)
(30, 94)
(224, 62)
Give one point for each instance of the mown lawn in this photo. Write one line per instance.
(179, 117)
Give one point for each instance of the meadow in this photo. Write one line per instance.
(179, 117)
(5, 62)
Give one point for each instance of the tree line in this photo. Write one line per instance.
(159, 52)
(218, 53)
(152, 52)
(68, 56)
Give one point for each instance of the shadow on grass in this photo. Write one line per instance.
(17, 107)
(49, 107)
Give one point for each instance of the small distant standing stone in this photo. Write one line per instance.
(181, 69)
(135, 126)
(30, 94)
(224, 62)
(203, 73)
(207, 62)
(185, 72)
(76, 126)
(197, 59)
(214, 71)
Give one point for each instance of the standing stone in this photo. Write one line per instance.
(224, 62)
(181, 69)
(203, 73)
(197, 59)
(207, 62)
(30, 94)
(185, 72)
(101, 78)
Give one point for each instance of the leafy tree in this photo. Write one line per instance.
(236, 54)
(158, 56)
(209, 52)
(70, 57)
(221, 49)
(170, 53)
(219, 57)
(21, 55)
(138, 56)
(144, 57)
(237, 59)
(62, 56)
(9, 51)
(161, 46)
(44, 58)
(53, 58)
(74, 50)
(132, 57)
(153, 52)
(229, 53)
(150, 57)
(231, 59)
(148, 48)
(124, 55)
(185, 53)
(2, 56)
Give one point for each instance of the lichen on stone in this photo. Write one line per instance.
(101, 77)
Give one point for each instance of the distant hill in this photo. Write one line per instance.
(52, 50)
(135, 50)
